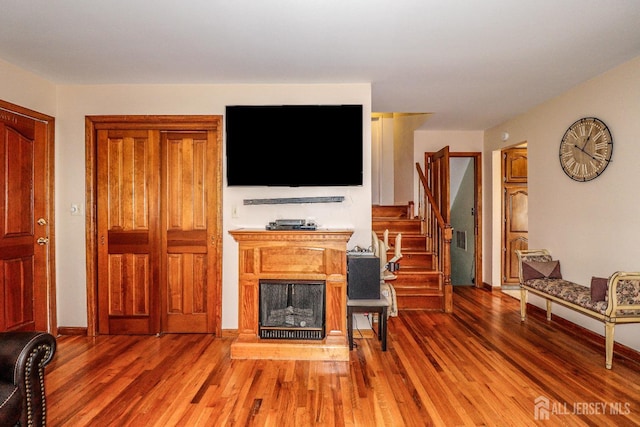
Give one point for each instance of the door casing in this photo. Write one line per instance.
(477, 164)
(162, 123)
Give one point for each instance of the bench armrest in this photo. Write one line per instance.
(623, 293)
(530, 255)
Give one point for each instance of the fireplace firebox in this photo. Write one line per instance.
(292, 309)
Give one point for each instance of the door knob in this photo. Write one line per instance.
(42, 221)
(42, 241)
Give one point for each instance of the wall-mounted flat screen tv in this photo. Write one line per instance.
(294, 145)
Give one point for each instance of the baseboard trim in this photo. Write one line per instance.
(72, 330)
(76, 330)
(229, 333)
(486, 287)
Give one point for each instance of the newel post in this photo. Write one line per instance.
(448, 290)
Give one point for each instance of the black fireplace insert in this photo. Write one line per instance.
(292, 309)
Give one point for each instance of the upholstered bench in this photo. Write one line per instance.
(612, 300)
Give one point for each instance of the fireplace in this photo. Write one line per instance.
(305, 259)
(291, 309)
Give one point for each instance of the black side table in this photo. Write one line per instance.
(368, 306)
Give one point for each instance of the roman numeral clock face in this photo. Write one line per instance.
(585, 149)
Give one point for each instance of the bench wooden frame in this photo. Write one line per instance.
(616, 312)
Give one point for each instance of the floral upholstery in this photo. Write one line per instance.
(628, 292)
(568, 291)
(537, 258)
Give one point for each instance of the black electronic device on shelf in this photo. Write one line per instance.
(291, 224)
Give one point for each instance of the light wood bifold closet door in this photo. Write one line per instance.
(156, 231)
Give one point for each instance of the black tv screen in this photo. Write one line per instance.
(294, 145)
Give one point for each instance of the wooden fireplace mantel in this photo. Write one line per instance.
(295, 255)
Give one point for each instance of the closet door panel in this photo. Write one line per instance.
(127, 231)
(157, 245)
(186, 231)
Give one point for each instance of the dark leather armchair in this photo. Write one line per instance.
(23, 356)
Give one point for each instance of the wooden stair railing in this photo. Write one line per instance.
(439, 236)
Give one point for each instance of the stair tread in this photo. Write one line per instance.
(416, 270)
(404, 229)
(416, 292)
(406, 236)
(418, 285)
(392, 210)
(394, 218)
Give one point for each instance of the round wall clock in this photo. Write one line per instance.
(585, 149)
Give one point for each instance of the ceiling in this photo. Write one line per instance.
(472, 63)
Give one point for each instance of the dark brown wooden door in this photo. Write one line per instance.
(440, 182)
(515, 211)
(24, 225)
(156, 233)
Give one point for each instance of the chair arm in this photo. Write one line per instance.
(23, 356)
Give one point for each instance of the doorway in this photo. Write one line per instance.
(463, 211)
(154, 230)
(465, 190)
(27, 246)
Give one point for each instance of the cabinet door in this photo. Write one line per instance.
(515, 211)
(515, 230)
(515, 166)
(188, 218)
(127, 226)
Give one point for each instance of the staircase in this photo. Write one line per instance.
(418, 285)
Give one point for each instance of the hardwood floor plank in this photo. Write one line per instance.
(479, 365)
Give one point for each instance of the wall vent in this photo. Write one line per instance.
(461, 239)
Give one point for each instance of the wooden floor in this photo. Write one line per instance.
(477, 366)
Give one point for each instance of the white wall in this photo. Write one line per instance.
(593, 227)
(376, 159)
(387, 170)
(26, 89)
(69, 104)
